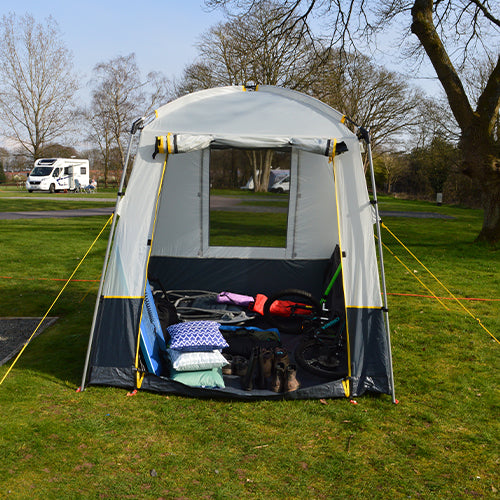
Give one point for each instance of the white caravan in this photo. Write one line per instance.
(58, 174)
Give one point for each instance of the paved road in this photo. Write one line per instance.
(88, 197)
(56, 214)
(216, 203)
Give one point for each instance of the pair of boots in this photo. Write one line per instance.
(283, 374)
(285, 378)
(266, 369)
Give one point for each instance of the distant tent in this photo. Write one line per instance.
(162, 230)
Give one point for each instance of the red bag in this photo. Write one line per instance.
(285, 308)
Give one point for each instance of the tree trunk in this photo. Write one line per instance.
(481, 163)
(490, 231)
(261, 167)
(480, 150)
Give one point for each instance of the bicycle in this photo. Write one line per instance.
(322, 349)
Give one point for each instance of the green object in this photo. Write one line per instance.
(202, 378)
(330, 285)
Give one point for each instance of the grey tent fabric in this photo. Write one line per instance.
(163, 228)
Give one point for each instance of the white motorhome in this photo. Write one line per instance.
(58, 174)
(282, 186)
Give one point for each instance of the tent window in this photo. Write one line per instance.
(249, 197)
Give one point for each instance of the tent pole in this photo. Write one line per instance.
(366, 136)
(135, 126)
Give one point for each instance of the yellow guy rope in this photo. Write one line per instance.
(56, 299)
(413, 274)
(451, 294)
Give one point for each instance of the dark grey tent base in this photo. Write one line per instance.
(125, 378)
(112, 362)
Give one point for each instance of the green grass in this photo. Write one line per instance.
(15, 192)
(11, 205)
(440, 441)
(233, 229)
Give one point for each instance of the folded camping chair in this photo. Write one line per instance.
(194, 305)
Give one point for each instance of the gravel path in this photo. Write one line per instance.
(14, 332)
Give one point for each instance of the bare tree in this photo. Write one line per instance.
(251, 50)
(448, 31)
(389, 168)
(37, 83)
(120, 96)
(368, 94)
(479, 146)
(436, 120)
(100, 125)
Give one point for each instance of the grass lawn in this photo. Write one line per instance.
(440, 441)
(15, 192)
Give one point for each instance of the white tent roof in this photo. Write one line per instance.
(271, 111)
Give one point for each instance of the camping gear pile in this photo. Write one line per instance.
(161, 228)
(202, 353)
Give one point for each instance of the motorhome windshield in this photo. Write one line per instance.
(41, 171)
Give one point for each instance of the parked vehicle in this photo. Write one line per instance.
(282, 186)
(275, 176)
(58, 174)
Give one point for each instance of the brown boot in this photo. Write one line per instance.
(252, 371)
(239, 366)
(227, 369)
(266, 362)
(281, 356)
(291, 383)
(278, 380)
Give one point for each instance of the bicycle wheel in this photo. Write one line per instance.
(288, 309)
(324, 357)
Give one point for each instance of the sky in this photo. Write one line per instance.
(161, 33)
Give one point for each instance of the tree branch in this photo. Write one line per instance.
(487, 13)
(423, 27)
(488, 103)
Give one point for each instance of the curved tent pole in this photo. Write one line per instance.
(365, 135)
(138, 124)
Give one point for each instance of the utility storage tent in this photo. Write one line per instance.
(161, 228)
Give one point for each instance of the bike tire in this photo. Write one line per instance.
(321, 358)
(293, 323)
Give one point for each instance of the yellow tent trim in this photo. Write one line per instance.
(140, 376)
(170, 147)
(331, 158)
(160, 144)
(363, 307)
(340, 246)
(347, 387)
(122, 297)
